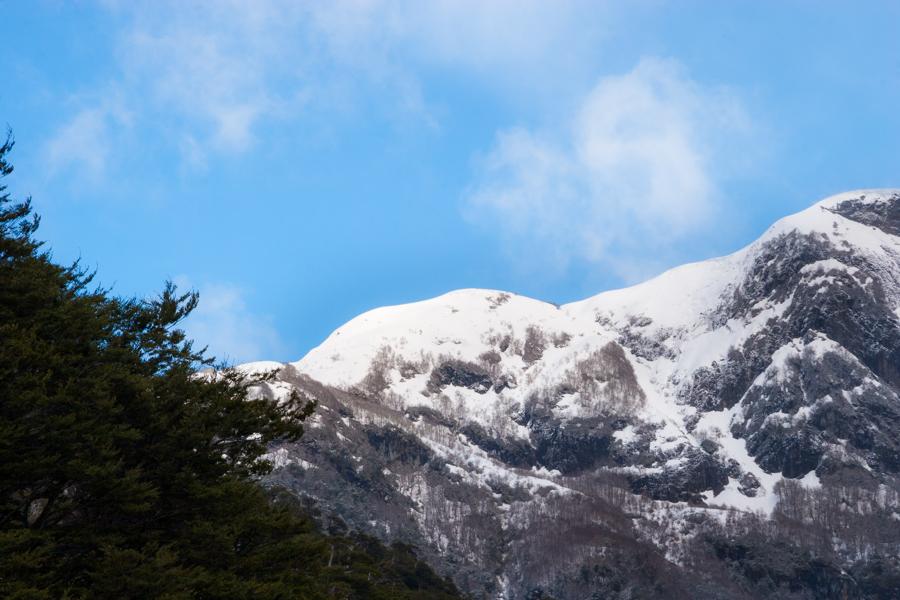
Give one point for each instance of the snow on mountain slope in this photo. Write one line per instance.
(461, 419)
(678, 299)
(668, 327)
(454, 323)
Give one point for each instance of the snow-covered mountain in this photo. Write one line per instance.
(482, 424)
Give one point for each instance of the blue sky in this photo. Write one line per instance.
(299, 163)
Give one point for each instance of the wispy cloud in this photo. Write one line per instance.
(224, 322)
(637, 167)
(504, 40)
(199, 77)
(213, 73)
(209, 74)
(85, 143)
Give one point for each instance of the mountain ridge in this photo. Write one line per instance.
(795, 221)
(460, 421)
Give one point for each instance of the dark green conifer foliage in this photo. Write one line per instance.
(123, 474)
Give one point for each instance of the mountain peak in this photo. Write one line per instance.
(718, 384)
(670, 352)
(681, 298)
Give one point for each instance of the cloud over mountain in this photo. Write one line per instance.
(637, 165)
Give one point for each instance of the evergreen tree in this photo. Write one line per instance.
(126, 474)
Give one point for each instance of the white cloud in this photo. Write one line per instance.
(225, 323)
(205, 78)
(208, 74)
(198, 76)
(84, 142)
(502, 39)
(638, 167)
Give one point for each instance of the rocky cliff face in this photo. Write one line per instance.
(520, 443)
